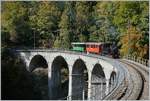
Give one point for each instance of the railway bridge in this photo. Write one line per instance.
(79, 76)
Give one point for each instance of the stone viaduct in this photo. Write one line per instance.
(87, 75)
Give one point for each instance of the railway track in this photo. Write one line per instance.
(137, 83)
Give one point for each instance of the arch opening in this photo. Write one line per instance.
(79, 80)
(112, 80)
(38, 61)
(59, 79)
(39, 72)
(98, 83)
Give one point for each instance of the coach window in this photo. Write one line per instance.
(96, 46)
(87, 46)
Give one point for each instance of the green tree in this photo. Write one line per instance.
(82, 20)
(104, 15)
(133, 14)
(15, 22)
(45, 21)
(66, 34)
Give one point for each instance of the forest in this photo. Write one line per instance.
(55, 24)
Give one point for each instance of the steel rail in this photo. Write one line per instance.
(140, 82)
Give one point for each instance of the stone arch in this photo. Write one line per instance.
(59, 79)
(79, 80)
(37, 61)
(98, 82)
(112, 80)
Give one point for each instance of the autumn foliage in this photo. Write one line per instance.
(130, 42)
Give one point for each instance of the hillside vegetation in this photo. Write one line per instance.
(57, 24)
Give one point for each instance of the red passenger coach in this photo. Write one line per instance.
(94, 48)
